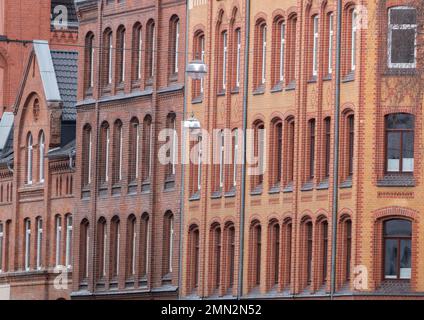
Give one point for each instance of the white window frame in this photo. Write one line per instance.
(29, 160)
(264, 44)
(315, 45)
(177, 44)
(330, 42)
(199, 162)
(221, 138)
(27, 244)
(147, 246)
(123, 60)
(236, 151)
(105, 255)
(39, 242)
(110, 66)
(354, 43)
(153, 51)
(137, 150)
(174, 145)
(282, 49)
(68, 248)
(134, 247)
(202, 58)
(400, 27)
(107, 154)
(118, 249)
(42, 147)
(87, 251)
(120, 132)
(58, 240)
(91, 62)
(90, 145)
(238, 57)
(150, 151)
(171, 241)
(139, 53)
(224, 59)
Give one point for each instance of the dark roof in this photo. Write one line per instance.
(6, 155)
(63, 152)
(70, 5)
(65, 64)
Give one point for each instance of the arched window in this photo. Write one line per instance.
(144, 245)
(193, 258)
(199, 54)
(307, 245)
(115, 241)
(400, 143)
(172, 139)
(117, 152)
(108, 57)
(134, 150)
(256, 253)
(324, 249)
(150, 50)
(311, 142)
(290, 72)
(101, 248)
(286, 253)
(237, 59)
(349, 139)
(397, 249)
(39, 223)
(68, 244)
(276, 153)
(104, 152)
(235, 161)
(347, 248)
(147, 148)
(289, 155)
(315, 44)
(330, 42)
(41, 152)
(121, 53)
(168, 243)
(27, 242)
(196, 166)
(138, 51)
(259, 155)
(131, 246)
(261, 51)
(58, 240)
(216, 256)
(86, 155)
(84, 250)
(29, 158)
(279, 47)
(327, 146)
(402, 35)
(174, 44)
(89, 60)
(274, 250)
(230, 244)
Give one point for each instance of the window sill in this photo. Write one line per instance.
(398, 180)
(216, 195)
(173, 77)
(323, 185)
(291, 86)
(169, 182)
(195, 197)
(278, 87)
(236, 90)
(314, 79)
(132, 188)
(231, 193)
(198, 99)
(274, 190)
(288, 188)
(257, 190)
(349, 78)
(346, 184)
(308, 186)
(89, 92)
(145, 187)
(120, 87)
(328, 77)
(221, 93)
(400, 72)
(259, 90)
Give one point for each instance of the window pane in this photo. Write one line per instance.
(398, 228)
(400, 121)
(405, 259)
(390, 263)
(408, 152)
(403, 46)
(393, 151)
(403, 16)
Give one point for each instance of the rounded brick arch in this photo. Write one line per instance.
(395, 211)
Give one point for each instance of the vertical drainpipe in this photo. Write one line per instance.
(183, 156)
(336, 151)
(243, 175)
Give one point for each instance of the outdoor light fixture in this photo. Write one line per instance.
(192, 123)
(197, 69)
